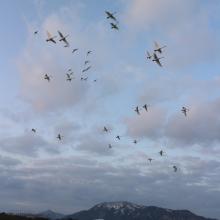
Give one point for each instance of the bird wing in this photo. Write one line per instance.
(61, 35)
(48, 34)
(148, 54)
(156, 45)
(52, 40)
(158, 62)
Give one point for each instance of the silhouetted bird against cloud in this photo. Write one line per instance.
(33, 130)
(149, 56)
(161, 153)
(110, 146)
(63, 38)
(157, 59)
(105, 129)
(146, 107)
(137, 110)
(158, 48)
(50, 38)
(111, 15)
(118, 137)
(74, 50)
(86, 62)
(184, 110)
(88, 52)
(47, 77)
(135, 141)
(59, 137)
(84, 79)
(114, 26)
(36, 32)
(69, 78)
(174, 168)
(86, 69)
(150, 159)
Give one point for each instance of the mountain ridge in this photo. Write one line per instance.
(123, 210)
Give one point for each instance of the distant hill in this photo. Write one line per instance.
(130, 211)
(50, 215)
(4, 216)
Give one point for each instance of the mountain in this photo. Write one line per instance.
(130, 211)
(50, 215)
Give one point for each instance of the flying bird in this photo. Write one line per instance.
(157, 59)
(36, 32)
(74, 50)
(86, 69)
(137, 110)
(33, 130)
(150, 159)
(146, 107)
(184, 110)
(88, 52)
(69, 78)
(161, 153)
(111, 15)
(105, 129)
(86, 62)
(47, 77)
(50, 38)
(84, 79)
(63, 38)
(109, 146)
(114, 26)
(118, 137)
(158, 48)
(149, 56)
(175, 168)
(59, 137)
(135, 141)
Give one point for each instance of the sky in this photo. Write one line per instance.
(39, 172)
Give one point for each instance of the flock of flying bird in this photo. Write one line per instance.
(154, 56)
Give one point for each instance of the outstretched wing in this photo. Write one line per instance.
(158, 62)
(156, 45)
(66, 42)
(61, 35)
(48, 34)
(52, 40)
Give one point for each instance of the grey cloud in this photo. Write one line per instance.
(27, 145)
(82, 184)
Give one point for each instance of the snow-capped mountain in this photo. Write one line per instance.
(130, 211)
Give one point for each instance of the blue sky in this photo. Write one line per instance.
(38, 172)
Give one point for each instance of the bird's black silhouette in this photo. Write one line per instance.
(74, 50)
(63, 38)
(114, 26)
(111, 15)
(50, 38)
(47, 77)
(158, 48)
(184, 110)
(146, 107)
(137, 110)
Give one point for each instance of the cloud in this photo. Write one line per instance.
(147, 124)
(200, 127)
(180, 26)
(84, 182)
(27, 145)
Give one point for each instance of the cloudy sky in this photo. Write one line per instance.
(38, 172)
